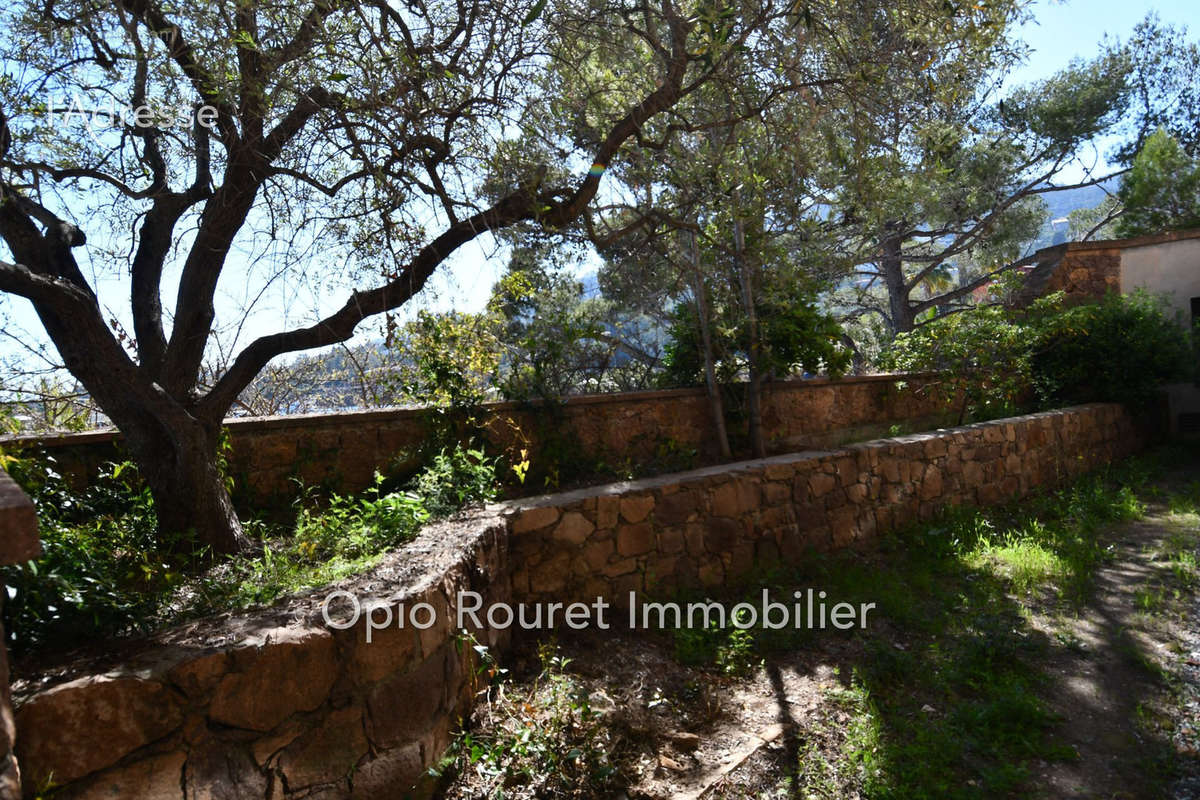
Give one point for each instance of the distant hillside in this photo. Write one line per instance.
(1059, 206)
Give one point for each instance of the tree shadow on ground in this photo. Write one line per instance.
(961, 688)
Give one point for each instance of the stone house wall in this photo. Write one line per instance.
(1087, 271)
(277, 705)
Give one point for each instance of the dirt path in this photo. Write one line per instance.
(1118, 681)
(1117, 684)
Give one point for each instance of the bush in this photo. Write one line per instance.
(455, 478)
(1123, 349)
(104, 570)
(981, 354)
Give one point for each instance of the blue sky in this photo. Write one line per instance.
(1058, 32)
(1061, 31)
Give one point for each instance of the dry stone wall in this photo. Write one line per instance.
(708, 527)
(343, 451)
(276, 704)
(279, 705)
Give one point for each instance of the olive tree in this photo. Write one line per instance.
(335, 140)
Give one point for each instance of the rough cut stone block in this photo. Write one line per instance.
(550, 576)
(391, 774)
(391, 648)
(574, 528)
(293, 670)
(327, 753)
(218, 769)
(197, 677)
(154, 778)
(635, 540)
(597, 554)
(671, 541)
(404, 706)
(90, 723)
(931, 483)
(821, 484)
(636, 509)
(720, 535)
(677, 508)
(18, 524)
(535, 518)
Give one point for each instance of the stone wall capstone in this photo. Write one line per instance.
(279, 705)
(18, 543)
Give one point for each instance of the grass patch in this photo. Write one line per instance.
(945, 697)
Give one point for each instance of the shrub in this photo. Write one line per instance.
(1122, 349)
(104, 570)
(981, 355)
(455, 478)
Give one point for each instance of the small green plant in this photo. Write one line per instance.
(548, 742)
(454, 478)
(352, 527)
(104, 570)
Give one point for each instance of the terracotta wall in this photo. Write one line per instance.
(342, 451)
(278, 705)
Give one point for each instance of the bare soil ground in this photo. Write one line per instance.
(1117, 680)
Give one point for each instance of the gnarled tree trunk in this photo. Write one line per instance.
(194, 509)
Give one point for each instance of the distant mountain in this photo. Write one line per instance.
(1059, 206)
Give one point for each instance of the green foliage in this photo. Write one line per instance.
(940, 204)
(981, 355)
(344, 535)
(104, 570)
(729, 650)
(797, 336)
(1162, 190)
(350, 527)
(449, 362)
(1000, 361)
(556, 342)
(549, 740)
(455, 478)
(1123, 349)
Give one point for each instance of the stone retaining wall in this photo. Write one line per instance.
(277, 705)
(708, 527)
(343, 451)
